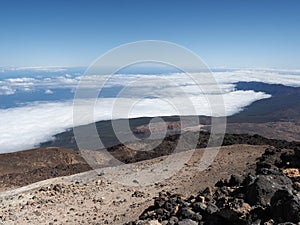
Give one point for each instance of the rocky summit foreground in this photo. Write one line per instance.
(268, 196)
(253, 180)
(87, 198)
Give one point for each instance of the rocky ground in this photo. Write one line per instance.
(26, 167)
(269, 195)
(101, 198)
(253, 180)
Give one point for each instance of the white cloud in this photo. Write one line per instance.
(21, 80)
(288, 78)
(25, 127)
(6, 90)
(49, 92)
(37, 68)
(155, 82)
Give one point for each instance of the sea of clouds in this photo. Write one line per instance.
(31, 123)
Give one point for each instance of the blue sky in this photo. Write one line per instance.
(224, 33)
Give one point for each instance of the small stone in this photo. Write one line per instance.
(297, 186)
(292, 172)
(270, 222)
(173, 220)
(43, 189)
(100, 173)
(138, 194)
(235, 180)
(199, 207)
(186, 213)
(37, 213)
(57, 188)
(187, 222)
(211, 208)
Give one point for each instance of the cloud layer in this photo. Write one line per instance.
(25, 127)
(225, 79)
(145, 95)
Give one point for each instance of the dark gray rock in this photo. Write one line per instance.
(199, 207)
(173, 220)
(211, 208)
(186, 213)
(285, 206)
(235, 180)
(261, 191)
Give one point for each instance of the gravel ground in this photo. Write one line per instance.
(102, 198)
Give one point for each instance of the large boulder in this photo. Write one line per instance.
(285, 206)
(264, 187)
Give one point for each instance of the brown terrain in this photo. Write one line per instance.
(87, 198)
(289, 131)
(26, 167)
(22, 168)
